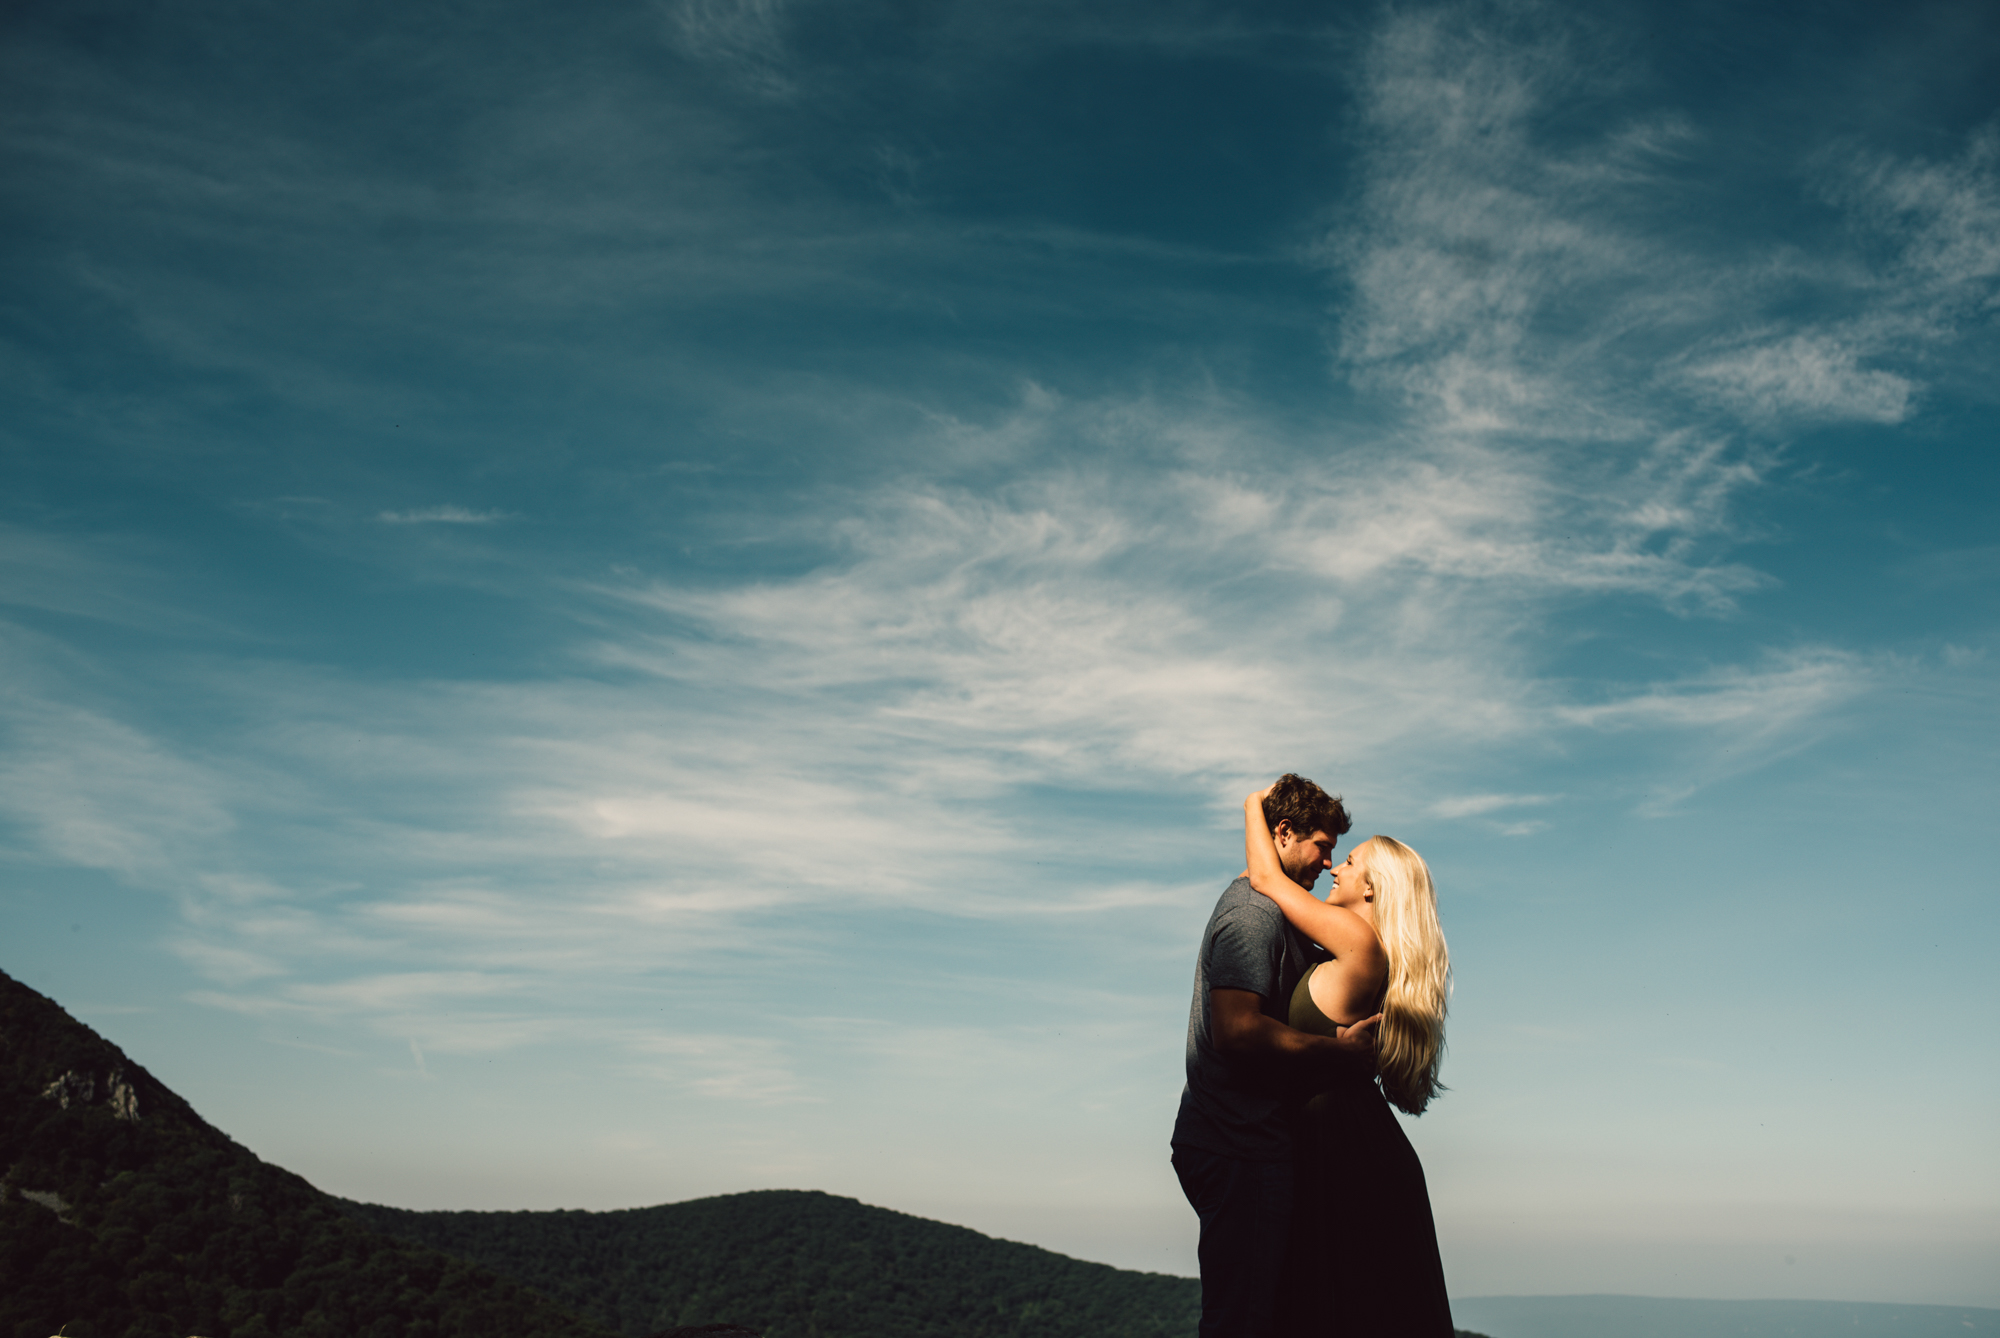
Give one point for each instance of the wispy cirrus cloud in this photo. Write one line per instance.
(446, 514)
(745, 37)
(1942, 216)
(1802, 377)
(1467, 234)
(1507, 284)
(96, 792)
(105, 578)
(1472, 805)
(1751, 702)
(729, 1066)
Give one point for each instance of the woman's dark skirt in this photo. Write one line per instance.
(1362, 1261)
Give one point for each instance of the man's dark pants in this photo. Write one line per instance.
(1246, 1213)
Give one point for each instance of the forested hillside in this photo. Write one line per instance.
(124, 1215)
(792, 1263)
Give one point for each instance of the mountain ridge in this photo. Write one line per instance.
(771, 1259)
(124, 1214)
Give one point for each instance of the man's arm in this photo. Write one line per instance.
(1238, 1028)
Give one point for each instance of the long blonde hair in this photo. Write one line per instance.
(1413, 1005)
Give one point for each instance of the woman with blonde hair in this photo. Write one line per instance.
(1363, 1260)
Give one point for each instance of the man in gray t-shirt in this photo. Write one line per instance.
(1232, 1104)
(1233, 1140)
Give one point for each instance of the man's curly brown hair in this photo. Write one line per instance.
(1308, 808)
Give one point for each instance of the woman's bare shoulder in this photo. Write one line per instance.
(1351, 938)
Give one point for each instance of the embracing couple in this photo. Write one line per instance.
(1310, 1019)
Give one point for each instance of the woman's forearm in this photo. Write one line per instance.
(1260, 851)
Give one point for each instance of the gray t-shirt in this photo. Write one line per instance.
(1236, 1106)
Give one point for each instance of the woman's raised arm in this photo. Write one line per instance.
(1334, 928)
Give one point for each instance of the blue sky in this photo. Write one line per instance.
(613, 602)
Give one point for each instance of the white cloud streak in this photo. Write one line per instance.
(1474, 805)
(1748, 703)
(745, 37)
(442, 515)
(1806, 377)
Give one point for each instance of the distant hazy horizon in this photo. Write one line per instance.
(614, 602)
(1668, 1317)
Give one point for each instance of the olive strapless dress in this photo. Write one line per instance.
(1363, 1257)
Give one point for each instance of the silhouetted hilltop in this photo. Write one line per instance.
(791, 1263)
(123, 1214)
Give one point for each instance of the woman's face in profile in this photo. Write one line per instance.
(1350, 879)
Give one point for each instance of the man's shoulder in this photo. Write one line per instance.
(1243, 906)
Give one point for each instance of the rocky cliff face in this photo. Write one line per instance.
(121, 1097)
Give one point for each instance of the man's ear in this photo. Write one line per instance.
(1281, 834)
